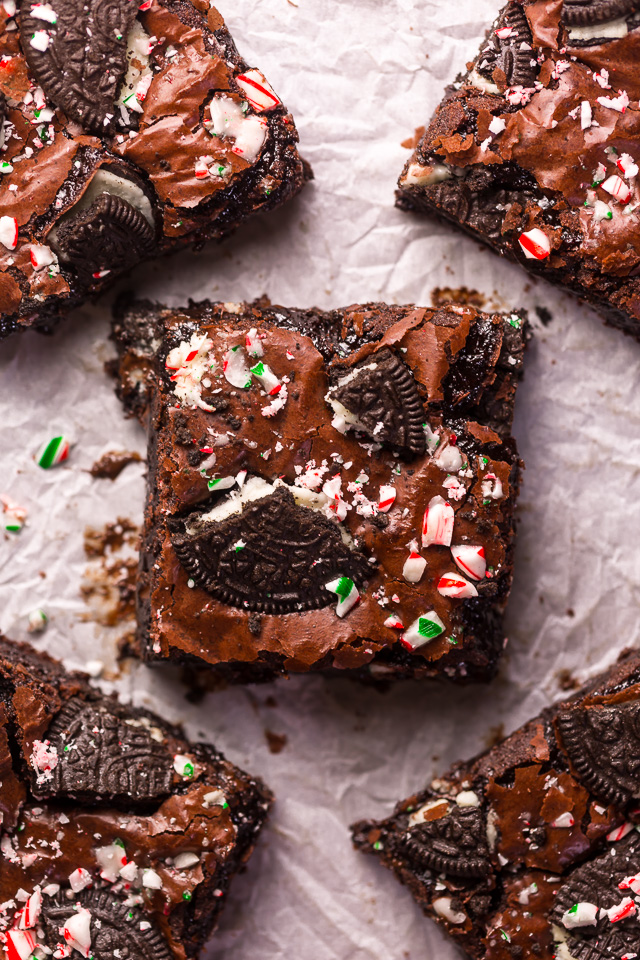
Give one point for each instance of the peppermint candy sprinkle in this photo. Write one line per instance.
(77, 931)
(394, 623)
(535, 244)
(437, 526)
(41, 256)
(52, 452)
(470, 559)
(235, 369)
(9, 232)
(386, 498)
(618, 189)
(44, 759)
(183, 766)
(254, 344)
(30, 913)
(453, 585)
(19, 944)
(581, 914)
(258, 91)
(347, 594)
(266, 376)
(414, 565)
(620, 911)
(425, 628)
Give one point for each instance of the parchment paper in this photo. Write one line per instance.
(359, 78)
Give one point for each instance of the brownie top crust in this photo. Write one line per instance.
(126, 130)
(326, 490)
(119, 837)
(536, 146)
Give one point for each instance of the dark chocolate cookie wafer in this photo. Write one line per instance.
(505, 59)
(588, 12)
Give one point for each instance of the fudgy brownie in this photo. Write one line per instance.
(535, 149)
(327, 491)
(119, 837)
(532, 849)
(126, 130)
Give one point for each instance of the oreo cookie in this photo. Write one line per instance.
(80, 60)
(603, 745)
(381, 398)
(594, 887)
(455, 844)
(505, 54)
(589, 12)
(273, 556)
(110, 235)
(104, 755)
(116, 929)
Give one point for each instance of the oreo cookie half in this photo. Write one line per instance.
(261, 551)
(588, 12)
(603, 744)
(115, 929)
(80, 60)
(103, 755)
(455, 844)
(381, 398)
(578, 925)
(506, 54)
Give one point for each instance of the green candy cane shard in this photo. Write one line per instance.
(347, 593)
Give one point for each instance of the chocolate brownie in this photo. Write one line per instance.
(532, 849)
(535, 149)
(127, 130)
(119, 836)
(327, 491)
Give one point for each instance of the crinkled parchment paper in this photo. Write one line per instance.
(359, 78)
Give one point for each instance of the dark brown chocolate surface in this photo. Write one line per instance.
(432, 392)
(115, 829)
(542, 133)
(153, 93)
(532, 850)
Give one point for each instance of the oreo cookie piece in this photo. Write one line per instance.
(102, 754)
(603, 744)
(508, 59)
(261, 551)
(79, 59)
(455, 844)
(381, 398)
(590, 12)
(591, 920)
(111, 927)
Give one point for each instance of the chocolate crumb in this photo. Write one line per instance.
(111, 464)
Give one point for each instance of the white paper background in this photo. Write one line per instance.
(359, 78)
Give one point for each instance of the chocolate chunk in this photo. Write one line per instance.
(102, 754)
(603, 744)
(597, 883)
(505, 54)
(273, 557)
(82, 64)
(111, 235)
(116, 929)
(383, 395)
(586, 12)
(455, 844)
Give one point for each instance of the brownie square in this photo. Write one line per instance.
(327, 492)
(127, 130)
(119, 836)
(535, 149)
(531, 850)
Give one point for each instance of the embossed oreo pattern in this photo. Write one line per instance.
(455, 844)
(110, 235)
(387, 395)
(85, 60)
(115, 928)
(603, 744)
(102, 755)
(589, 12)
(505, 54)
(289, 554)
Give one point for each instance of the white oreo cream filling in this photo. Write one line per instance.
(481, 83)
(344, 419)
(595, 31)
(105, 181)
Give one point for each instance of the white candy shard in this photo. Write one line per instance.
(9, 232)
(618, 189)
(229, 120)
(77, 931)
(453, 585)
(347, 594)
(582, 914)
(235, 368)
(258, 91)
(470, 559)
(442, 906)
(425, 628)
(437, 525)
(414, 565)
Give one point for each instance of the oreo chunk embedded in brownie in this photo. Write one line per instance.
(535, 149)
(532, 849)
(327, 492)
(119, 837)
(127, 130)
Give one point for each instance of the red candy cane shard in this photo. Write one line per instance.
(470, 559)
(535, 244)
(437, 525)
(258, 90)
(618, 189)
(20, 944)
(394, 623)
(453, 585)
(614, 835)
(386, 498)
(626, 908)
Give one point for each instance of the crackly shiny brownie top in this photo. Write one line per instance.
(125, 127)
(326, 487)
(118, 837)
(537, 146)
(532, 849)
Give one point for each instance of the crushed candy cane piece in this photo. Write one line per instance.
(77, 931)
(581, 914)
(620, 911)
(266, 376)
(9, 232)
(497, 125)
(394, 623)
(30, 914)
(437, 525)
(470, 559)
(630, 883)
(151, 880)
(13, 515)
(20, 944)
(183, 766)
(228, 119)
(40, 40)
(110, 859)
(618, 189)
(535, 244)
(53, 452)
(586, 115)
(492, 487)
(386, 498)
(449, 459)
(41, 256)
(44, 11)
(347, 593)
(628, 165)
(619, 832)
(258, 91)
(414, 565)
(619, 103)
(79, 879)
(190, 361)
(253, 344)
(235, 369)
(564, 821)
(453, 585)
(425, 628)
(44, 759)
